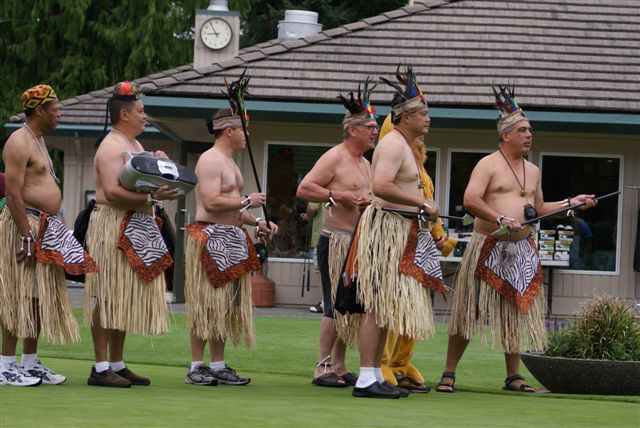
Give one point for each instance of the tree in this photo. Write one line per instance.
(78, 46)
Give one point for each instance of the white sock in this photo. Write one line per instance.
(116, 366)
(377, 371)
(29, 360)
(5, 361)
(217, 365)
(366, 377)
(195, 365)
(102, 366)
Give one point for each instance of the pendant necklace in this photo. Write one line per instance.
(523, 192)
(126, 139)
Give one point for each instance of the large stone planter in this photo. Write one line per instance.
(576, 376)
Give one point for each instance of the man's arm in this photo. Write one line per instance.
(546, 207)
(110, 162)
(16, 156)
(474, 193)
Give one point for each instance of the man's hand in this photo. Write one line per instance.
(431, 209)
(588, 201)
(262, 229)
(364, 202)
(440, 242)
(28, 253)
(257, 199)
(347, 199)
(512, 225)
(165, 193)
(160, 154)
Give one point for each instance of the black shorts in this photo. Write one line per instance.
(323, 266)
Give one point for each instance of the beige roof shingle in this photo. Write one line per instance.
(575, 55)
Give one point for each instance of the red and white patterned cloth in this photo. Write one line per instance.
(512, 268)
(227, 252)
(421, 259)
(142, 243)
(56, 244)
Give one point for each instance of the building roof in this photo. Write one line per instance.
(567, 55)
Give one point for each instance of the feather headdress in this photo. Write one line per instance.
(408, 97)
(236, 91)
(359, 109)
(510, 111)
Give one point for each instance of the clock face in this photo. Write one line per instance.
(216, 33)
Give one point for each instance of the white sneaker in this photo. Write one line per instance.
(14, 376)
(48, 376)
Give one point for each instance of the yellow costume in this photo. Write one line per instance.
(398, 349)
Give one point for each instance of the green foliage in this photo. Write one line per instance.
(78, 46)
(605, 329)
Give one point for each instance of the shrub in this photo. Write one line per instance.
(605, 328)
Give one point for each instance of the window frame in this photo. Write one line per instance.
(450, 151)
(265, 165)
(615, 272)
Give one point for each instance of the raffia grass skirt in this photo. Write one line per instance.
(400, 303)
(347, 326)
(221, 313)
(125, 302)
(21, 283)
(476, 305)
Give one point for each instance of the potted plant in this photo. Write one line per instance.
(598, 354)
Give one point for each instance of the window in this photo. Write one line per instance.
(287, 164)
(596, 241)
(461, 164)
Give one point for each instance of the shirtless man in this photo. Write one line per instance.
(26, 282)
(120, 298)
(393, 298)
(219, 305)
(504, 190)
(341, 178)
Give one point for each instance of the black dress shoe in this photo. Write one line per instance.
(401, 391)
(375, 390)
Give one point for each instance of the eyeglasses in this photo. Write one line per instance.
(371, 128)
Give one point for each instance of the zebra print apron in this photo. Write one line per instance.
(56, 244)
(142, 243)
(512, 268)
(20, 283)
(421, 259)
(227, 251)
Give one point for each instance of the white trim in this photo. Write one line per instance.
(448, 172)
(616, 272)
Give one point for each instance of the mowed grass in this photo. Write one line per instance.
(280, 394)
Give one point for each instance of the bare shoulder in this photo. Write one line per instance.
(110, 148)
(531, 166)
(17, 141)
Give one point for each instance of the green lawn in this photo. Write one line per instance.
(280, 393)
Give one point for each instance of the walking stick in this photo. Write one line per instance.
(504, 230)
(237, 91)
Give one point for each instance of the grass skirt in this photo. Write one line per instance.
(21, 283)
(347, 326)
(401, 304)
(126, 303)
(475, 303)
(222, 313)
